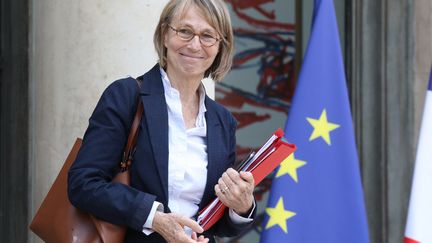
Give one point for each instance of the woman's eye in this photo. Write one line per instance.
(185, 31)
(208, 36)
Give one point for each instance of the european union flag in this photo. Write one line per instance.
(316, 195)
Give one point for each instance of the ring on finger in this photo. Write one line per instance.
(224, 190)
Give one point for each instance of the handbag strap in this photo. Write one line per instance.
(133, 134)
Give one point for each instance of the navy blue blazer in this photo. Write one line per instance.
(89, 185)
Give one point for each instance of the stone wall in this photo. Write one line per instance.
(77, 49)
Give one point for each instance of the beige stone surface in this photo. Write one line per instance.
(77, 49)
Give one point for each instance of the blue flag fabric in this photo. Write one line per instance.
(316, 195)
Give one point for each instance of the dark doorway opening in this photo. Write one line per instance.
(14, 104)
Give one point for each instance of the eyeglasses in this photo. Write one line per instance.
(187, 34)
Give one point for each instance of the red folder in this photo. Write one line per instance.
(260, 164)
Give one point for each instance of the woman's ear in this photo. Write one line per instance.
(165, 40)
(165, 34)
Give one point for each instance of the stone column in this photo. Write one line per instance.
(389, 60)
(422, 44)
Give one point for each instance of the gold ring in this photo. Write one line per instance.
(226, 188)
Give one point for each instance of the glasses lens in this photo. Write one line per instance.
(185, 34)
(207, 39)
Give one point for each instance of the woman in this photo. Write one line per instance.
(186, 142)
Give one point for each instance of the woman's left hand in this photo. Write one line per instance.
(235, 190)
(201, 238)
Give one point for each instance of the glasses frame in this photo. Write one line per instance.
(193, 36)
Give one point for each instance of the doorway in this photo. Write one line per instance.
(14, 19)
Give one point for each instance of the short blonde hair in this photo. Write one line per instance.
(217, 15)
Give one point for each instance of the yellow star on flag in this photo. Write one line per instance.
(289, 166)
(322, 127)
(278, 216)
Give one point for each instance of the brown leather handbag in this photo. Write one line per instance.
(58, 221)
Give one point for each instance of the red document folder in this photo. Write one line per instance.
(260, 164)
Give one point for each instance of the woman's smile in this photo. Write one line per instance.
(191, 56)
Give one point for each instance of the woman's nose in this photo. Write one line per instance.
(195, 43)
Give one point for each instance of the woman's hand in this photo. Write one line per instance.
(199, 239)
(171, 227)
(235, 190)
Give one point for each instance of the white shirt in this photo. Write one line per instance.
(187, 159)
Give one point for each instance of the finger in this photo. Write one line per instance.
(194, 236)
(240, 184)
(227, 180)
(203, 239)
(218, 191)
(222, 196)
(191, 224)
(248, 177)
(223, 187)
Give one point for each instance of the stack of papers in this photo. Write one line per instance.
(260, 164)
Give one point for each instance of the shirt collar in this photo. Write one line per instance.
(169, 90)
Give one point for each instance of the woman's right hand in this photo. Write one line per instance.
(171, 227)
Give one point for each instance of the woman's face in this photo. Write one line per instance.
(190, 58)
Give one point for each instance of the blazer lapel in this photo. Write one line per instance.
(213, 141)
(156, 116)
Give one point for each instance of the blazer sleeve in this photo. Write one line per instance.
(89, 179)
(225, 227)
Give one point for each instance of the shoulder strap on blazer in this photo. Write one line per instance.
(133, 134)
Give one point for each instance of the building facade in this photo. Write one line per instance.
(58, 56)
